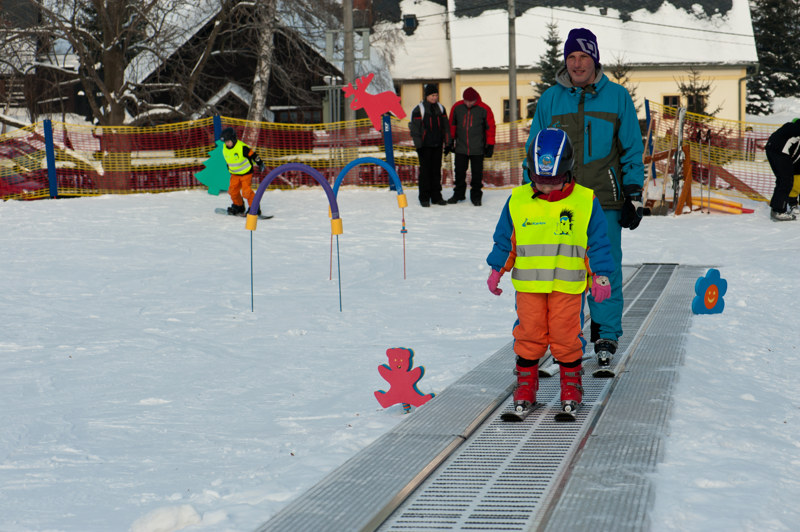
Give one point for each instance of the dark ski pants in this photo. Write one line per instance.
(430, 173)
(475, 163)
(783, 169)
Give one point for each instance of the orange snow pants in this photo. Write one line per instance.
(240, 186)
(549, 319)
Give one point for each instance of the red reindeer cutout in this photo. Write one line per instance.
(375, 105)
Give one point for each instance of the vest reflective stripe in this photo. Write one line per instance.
(237, 163)
(551, 241)
(566, 250)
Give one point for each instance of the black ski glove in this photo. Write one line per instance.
(488, 151)
(632, 209)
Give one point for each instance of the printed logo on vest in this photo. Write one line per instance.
(565, 222)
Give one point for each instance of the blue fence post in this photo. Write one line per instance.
(50, 158)
(217, 127)
(388, 148)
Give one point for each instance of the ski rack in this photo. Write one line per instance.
(453, 465)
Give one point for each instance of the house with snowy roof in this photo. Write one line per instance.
(464, 43)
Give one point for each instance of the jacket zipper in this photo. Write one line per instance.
(589, 134)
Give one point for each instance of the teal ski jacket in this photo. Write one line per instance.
(601, 122)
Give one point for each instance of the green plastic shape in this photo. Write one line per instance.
(215, 175)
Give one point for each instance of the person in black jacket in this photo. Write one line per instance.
(430, 132)
(783, 154)
(472, 129)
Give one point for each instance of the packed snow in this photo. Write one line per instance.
(142, 393)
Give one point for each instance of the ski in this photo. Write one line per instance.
(568, 410)
(548, 371)
(515, 416)
(220, 210)
(604, 373)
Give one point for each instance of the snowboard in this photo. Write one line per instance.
(220, 210)
(515, 416)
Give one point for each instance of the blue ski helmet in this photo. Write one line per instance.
(550, 159)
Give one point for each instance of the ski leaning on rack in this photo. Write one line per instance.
(519, 414)
(220, 210)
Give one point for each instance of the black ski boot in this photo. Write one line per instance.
(604, 349)
(236, 210)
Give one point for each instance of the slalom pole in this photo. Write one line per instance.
(252, 308)
(339, 271)
(330, 273)
(404, 231)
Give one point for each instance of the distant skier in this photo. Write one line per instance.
(783, 154)
(241, 159)
(546, 230)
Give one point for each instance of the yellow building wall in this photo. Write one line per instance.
(728, 89)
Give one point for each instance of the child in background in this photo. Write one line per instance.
(241, 159)
(548, 231)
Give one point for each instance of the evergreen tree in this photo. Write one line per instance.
(618, 71)
(549, 63)
(695, 91)
(776, 27)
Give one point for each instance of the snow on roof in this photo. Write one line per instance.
(665, 36)
(425, 55)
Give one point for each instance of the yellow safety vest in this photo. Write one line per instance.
(237, 163)
(551, 240)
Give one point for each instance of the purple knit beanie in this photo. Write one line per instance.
(582, 40)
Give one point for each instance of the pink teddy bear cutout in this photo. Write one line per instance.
(402, 379)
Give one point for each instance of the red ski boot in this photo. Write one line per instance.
(571, 389)
(527, 384)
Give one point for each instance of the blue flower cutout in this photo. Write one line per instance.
(710, 291)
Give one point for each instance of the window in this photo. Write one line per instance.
(505, 110)
(530, 108)
(696, 103)
(672, 100)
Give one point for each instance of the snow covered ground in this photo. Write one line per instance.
(141, 393)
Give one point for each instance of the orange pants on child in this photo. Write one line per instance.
(240, 186)
(553, 320)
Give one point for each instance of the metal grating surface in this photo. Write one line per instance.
(518, 476)
(609, 485)
(507, 475)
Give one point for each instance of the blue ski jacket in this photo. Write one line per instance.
(601, 122)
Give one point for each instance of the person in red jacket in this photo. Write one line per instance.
(472, 129)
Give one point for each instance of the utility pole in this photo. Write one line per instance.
(349, 53)
(512, 73)
(512, 63)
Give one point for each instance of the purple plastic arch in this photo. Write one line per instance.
(288, 167)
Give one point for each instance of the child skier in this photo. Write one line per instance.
(241, 159)
(546, 231)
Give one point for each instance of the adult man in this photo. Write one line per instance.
(600, 119)
(472, 129)
(241, 159)
(430, 132)
(783, 154)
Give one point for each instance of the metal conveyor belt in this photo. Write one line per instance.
(454, 466)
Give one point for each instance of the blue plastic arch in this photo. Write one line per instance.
(288, 167)
(366, 160)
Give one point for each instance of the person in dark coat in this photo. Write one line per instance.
(472, 129)
(430, 132)
(783, 154)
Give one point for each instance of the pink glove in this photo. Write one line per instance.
(493, 281)
(601, 288)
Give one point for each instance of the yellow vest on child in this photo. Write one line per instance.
(551, 240)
